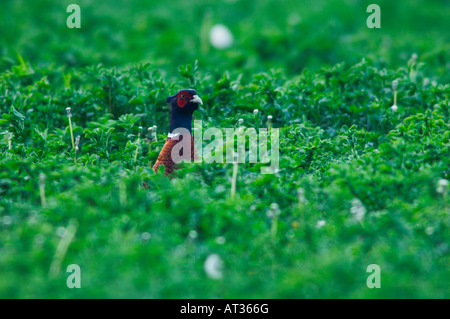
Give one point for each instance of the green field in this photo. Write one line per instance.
(359, 182)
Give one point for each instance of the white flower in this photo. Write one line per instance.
(294, 19)
(145, 236)
(394, 108)
(443, 182)
(7, 220)
(301, 195)
(241, 121)
(213, 266)
(220, 240)
(320, 223)
(442, 186)
(193, 234)
(61, 232)
(274, 211)
(395, 84)
(220, 37)
(358, 209)
(269, 117)
(255, 112)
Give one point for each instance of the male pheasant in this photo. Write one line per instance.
(183, 104)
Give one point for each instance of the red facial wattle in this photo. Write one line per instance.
(183, 98)
(181, 102)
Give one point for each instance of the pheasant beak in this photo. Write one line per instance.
(197, 100)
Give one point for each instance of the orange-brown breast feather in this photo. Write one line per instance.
(165, 156)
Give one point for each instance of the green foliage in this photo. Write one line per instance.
(339, 141)
(325, 79)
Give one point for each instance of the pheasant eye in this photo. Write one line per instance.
(182, 96)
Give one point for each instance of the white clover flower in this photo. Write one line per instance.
(442, 186)
(220, 37)
(7, 220)
(193, 234)
(358, 210)
(395, 85)
(145, 236)
(394, 108)
(320, 223)
(294, 19)
(255, 112)
(274, 211)
(414, 56)
(269, 117)
(61, 232)
(301, 195)
(241, 121)
(220, 189)
(429, 230)
(443, 182)
(220, 240)
(213, 266)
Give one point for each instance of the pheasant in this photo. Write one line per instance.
(183, 104)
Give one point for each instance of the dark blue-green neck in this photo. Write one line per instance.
(178, 119)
